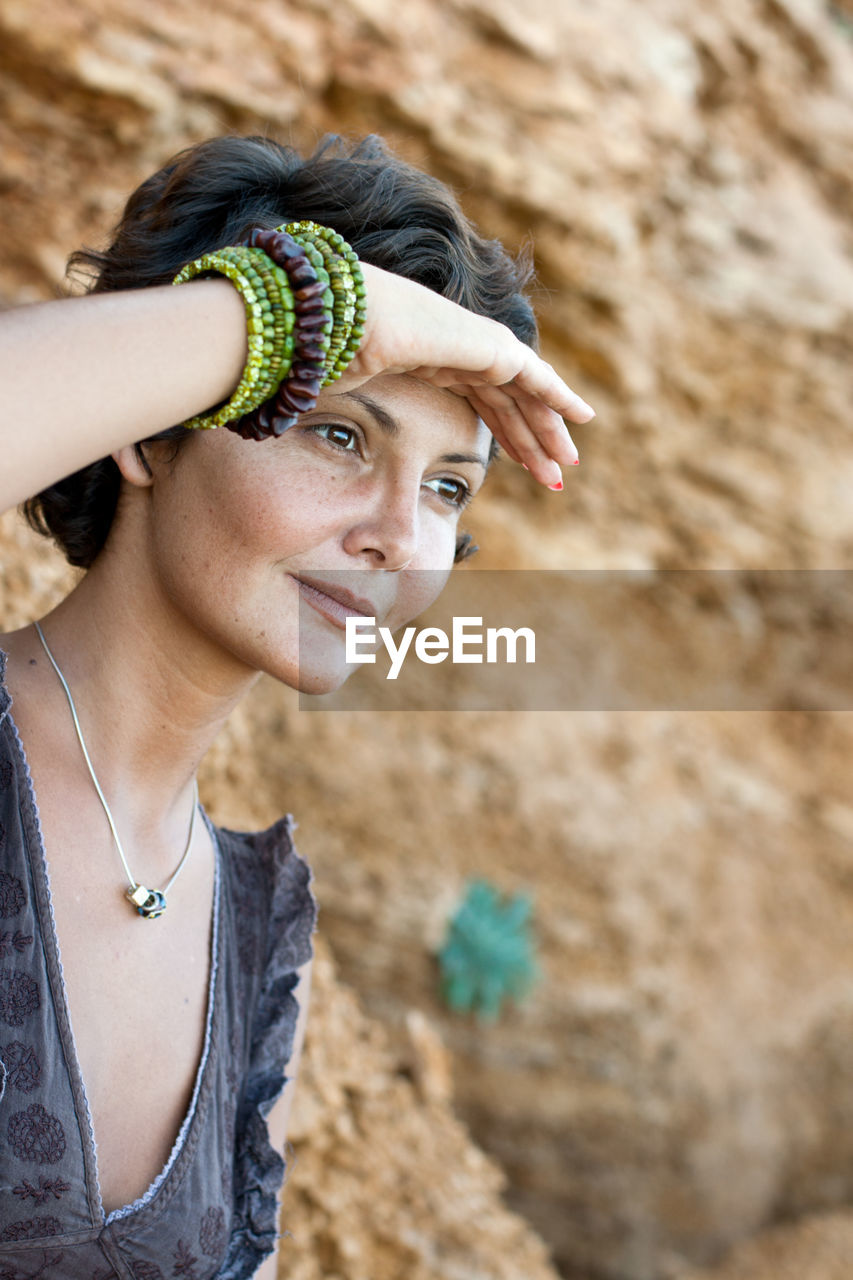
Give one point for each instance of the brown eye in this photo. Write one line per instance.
(343, 437)
(454, 492)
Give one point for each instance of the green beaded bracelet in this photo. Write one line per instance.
(343, 302)
(269, 305)
(280, 346)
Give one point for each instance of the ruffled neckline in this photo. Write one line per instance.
(5, 696)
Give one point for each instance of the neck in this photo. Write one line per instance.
(150, 689)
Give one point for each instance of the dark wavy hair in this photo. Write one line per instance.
(212, 194)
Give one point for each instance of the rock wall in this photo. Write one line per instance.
(384, 1182)
(817, 1248)
(680, 1078)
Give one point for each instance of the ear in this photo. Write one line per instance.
(133, 465)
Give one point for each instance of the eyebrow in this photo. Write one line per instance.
(391, 427)
(466, 457)
(384, 420)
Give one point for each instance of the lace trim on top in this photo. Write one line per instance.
(5, 696)
(258, 1167)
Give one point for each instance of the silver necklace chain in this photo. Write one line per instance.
(149, 903)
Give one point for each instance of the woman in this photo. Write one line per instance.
(145, 1143)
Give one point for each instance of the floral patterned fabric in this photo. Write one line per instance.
(212, 1212)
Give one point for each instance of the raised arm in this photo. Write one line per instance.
(81, 377)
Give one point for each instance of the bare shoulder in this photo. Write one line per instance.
(20, 648)
(38, 703)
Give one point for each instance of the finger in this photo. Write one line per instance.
(531, 426)
(509, 417)
(506, 422)
(540, 380)
(549, 429)
(515, 457)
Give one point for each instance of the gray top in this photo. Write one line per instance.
(212, 1211)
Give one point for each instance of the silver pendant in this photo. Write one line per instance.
(149, 903)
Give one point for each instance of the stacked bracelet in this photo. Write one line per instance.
(270, 319)
(304, 296)
(347, 286)
(312, 306)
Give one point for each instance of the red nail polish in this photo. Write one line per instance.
(556, 486)
(576, 462)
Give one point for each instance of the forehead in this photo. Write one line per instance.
(406, 409)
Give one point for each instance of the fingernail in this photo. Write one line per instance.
(588, 407)
(576, 462)
(526, 468)
(556, 486)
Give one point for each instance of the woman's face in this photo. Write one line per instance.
(363, 496)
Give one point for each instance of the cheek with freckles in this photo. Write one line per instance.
(238, 502)
(217, 536)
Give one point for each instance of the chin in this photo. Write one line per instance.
(321, 666)
(320, 681)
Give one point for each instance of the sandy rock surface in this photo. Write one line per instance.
(681, 1077)
(817, 1248)
(385, 1182)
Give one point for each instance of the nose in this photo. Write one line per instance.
(385, 533)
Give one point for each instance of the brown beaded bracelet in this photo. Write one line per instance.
(312, 304)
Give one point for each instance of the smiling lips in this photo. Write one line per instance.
(334, 602)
